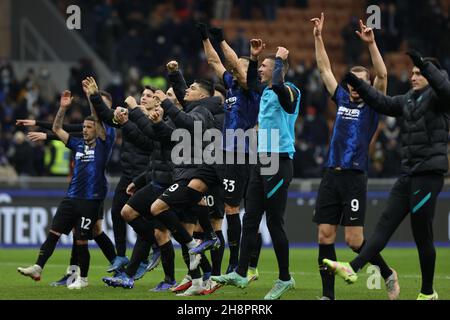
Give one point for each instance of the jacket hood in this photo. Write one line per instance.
(213, 104)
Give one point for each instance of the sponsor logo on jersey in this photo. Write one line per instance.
(87, 156)
(348, 114)
(230, 102)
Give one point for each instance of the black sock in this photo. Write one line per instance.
(140, 252)
(279, 238)
(83, 258)
(202, 214)
(119, 224)
(378, 261)
(168, 261)
(105, 244)
(74, 253)
(427, 258)
(47, 249)
(175, 227)
(234, 237)
(198, 235)
(195, 274)
(327, 251)
(143, 228)
(204, 264)
(194, 196)
(255, 253)
(217, 255)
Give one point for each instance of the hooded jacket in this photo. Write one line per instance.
(424, 121)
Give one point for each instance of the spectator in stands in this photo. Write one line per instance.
(268, 7)
(116, 88)
(317, 95)
(397, 86)
(389, 139)
(7, 172)
(223, 9)
(352, 46)
(240, 43)
(21, 155)
(315, 128)
(129, 49)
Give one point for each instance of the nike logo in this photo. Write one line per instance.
(353, 219)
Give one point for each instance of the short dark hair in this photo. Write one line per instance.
(361, 69)
(434, 61)
(105, 94)
(149, 88)
(285, 62)
(206, 85)
(90, 118)
(219, 87)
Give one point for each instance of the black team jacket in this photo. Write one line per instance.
(160, 168)
(424, 120)
(136, 149)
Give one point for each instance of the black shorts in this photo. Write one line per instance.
(178, 200)
(80, 214)
(175, 196)
(186, 216)
(210, 174)
(235, 181)
(214, 200)
(341, 199)
(142, 200)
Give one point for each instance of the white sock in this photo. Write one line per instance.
(197, 283)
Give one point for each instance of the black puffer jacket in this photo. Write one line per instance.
(424, 121)
(134, 153)
(160, 168)
(218, 114)
(194, 115)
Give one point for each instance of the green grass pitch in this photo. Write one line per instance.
(303, 267)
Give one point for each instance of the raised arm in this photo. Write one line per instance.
(211, 54)
(390, 106)
(48, 125)
(48, 136)
(180, 118)
(90, 88)
(143, 123)
(323, 62)
(230, 56)
(366, 34)
(91, 106)
(40, 136)
(131, 132)
(65, 101)
(162, 129)
(177, 81)
(256, 47)
(436, 79)
(136, 136)
(140, 181)
(287, 96)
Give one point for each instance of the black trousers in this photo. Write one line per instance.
(415, 195)
(267, 194)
